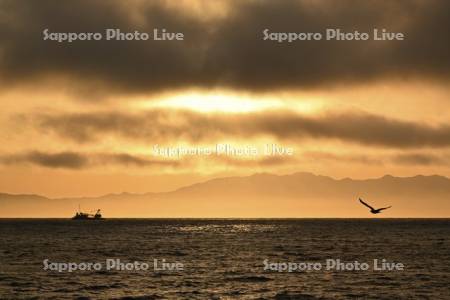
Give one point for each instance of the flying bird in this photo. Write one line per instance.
(373, 210)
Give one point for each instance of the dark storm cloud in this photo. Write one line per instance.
(161, 126)
(74, 160)
(116, 65)
(223, 52)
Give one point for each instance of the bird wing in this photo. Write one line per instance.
(364, 203)
(384, 208)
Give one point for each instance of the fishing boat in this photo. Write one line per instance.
(87, 216)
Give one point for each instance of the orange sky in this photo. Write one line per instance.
(83, 118)
(34, 161)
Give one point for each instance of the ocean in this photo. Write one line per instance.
(225, 259)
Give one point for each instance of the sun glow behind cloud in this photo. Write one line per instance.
(228, 103)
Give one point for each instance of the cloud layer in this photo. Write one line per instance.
(162, 126)
(223, 52)
(76, 160)
(80, 160)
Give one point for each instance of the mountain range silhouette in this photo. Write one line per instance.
(259, 195)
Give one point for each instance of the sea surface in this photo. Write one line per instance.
(225, 259)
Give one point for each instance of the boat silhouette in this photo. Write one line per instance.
(87, 216)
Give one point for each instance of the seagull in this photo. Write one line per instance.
(373, 210)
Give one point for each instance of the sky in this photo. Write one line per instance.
(83, 118)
